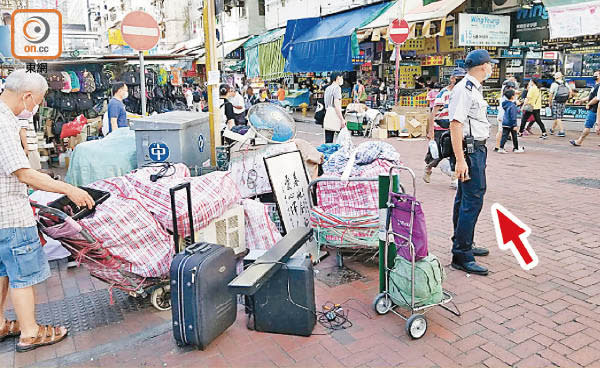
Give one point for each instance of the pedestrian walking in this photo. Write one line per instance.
(469, 130)
(508, 84)
(249, 98)
(23, 262)
(532, 107)
(432, 92)
(359, 93)
(439, 123)
(281, 93)
(189, 97)
(509, 122)
(560, 92)
(334, 119)
(197, 98)
(592, 116)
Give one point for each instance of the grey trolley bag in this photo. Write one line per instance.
(202, 305)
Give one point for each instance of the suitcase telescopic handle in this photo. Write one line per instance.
(188, 191)
(197, 247)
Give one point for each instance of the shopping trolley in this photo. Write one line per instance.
(416, 324)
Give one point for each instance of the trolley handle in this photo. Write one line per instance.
(63, 217)
(312, 186)
(412, 174)
(53, 211)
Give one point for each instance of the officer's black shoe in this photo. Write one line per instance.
(480, 252)
(471, 267)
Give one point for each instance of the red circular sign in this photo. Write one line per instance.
(140, 30)
(398, 31)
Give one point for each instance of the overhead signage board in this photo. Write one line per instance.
(483, 30)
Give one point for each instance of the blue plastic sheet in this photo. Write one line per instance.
(112, 156)
(326, 44)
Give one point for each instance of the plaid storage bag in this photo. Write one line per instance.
(429, 275)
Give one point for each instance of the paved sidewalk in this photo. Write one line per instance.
(549, 316)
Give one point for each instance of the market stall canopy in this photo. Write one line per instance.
(229, 46)
(430, 20)
(433, 11)
(263, 55)
(325, 44)
(386, 17)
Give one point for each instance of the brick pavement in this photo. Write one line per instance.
(548, 316)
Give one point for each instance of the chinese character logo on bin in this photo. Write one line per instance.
(158, 151)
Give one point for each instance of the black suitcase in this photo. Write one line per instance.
(271, 310)
(202, 305)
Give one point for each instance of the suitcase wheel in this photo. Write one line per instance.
(161, 298)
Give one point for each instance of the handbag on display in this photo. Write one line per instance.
(73, 128)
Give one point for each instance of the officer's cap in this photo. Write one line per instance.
(478, 57)
(459, 72)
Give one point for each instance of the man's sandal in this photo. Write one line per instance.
(47, 335)
(10, 329)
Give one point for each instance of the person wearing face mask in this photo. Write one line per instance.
(23, 262)
(334, 119)
(469, 130)
(532, 106)
(117, 116)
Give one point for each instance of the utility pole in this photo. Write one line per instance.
(212, 71)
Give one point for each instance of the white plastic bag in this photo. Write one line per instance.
(444, 165)
(344, 139)
(433, 149)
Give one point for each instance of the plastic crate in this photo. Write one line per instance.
(228, 230)
(75, 212)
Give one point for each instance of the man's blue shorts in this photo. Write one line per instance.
(22, 258)
(590, 121)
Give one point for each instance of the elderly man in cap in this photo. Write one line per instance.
(469, 130)
(439, 123)
(22, 260)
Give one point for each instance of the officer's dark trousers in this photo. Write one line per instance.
(467, 206)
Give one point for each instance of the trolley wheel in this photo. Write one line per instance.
(416, 326)
(382, 303)
(161, 298)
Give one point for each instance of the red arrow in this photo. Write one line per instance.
(512, 234)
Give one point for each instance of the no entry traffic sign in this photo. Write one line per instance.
(140, 30)
(398, 31)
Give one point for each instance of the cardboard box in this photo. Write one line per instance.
(415, 128)
(379, 133)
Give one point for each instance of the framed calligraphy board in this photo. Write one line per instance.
(289, 182)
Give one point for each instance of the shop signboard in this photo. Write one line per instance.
(530, 26)
(432, 60)
(511, 53)
(574, 20)
(483, 30)
(576, 112)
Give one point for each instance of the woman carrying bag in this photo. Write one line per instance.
(334, 119)
(532, 106)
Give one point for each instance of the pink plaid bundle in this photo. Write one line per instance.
(126, 229)
(212, 195)
(261, 232)
(353, 198)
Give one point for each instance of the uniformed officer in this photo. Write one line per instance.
(469, 129)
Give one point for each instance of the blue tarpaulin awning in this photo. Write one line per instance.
(325, 44)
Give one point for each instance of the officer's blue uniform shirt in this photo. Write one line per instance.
(467, 103)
